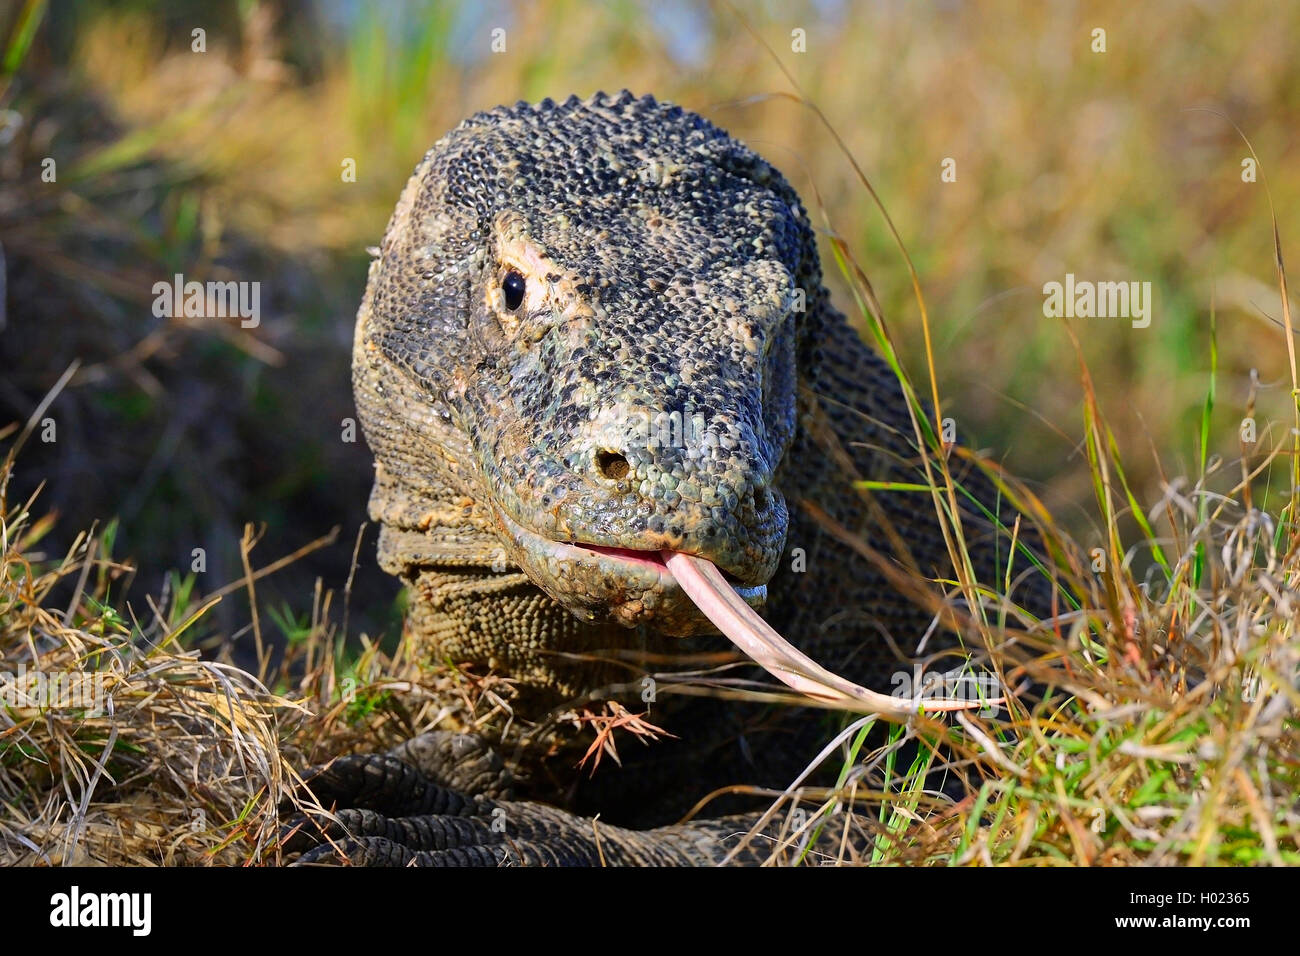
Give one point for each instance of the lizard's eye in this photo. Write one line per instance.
(513, 287)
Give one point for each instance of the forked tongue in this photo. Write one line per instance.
(705, 585)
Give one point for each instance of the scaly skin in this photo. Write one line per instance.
(665, 269)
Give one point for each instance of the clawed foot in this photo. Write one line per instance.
(442, 799)
(428, 802)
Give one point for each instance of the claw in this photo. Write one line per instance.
(385, 784)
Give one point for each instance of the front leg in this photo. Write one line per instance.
(442, 799)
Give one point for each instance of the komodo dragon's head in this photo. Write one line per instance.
(582, 334)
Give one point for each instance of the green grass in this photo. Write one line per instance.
(1156, 745)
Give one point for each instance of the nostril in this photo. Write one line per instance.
(612, 465)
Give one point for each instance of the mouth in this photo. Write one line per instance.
(631, 586)
(684, 594)
(752, 593)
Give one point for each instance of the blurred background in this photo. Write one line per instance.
(223, 154)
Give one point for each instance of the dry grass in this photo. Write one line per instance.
(121, 743)
(171, 756)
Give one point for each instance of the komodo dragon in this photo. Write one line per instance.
(596, 332)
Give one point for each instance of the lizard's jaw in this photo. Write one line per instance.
(599, 583)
